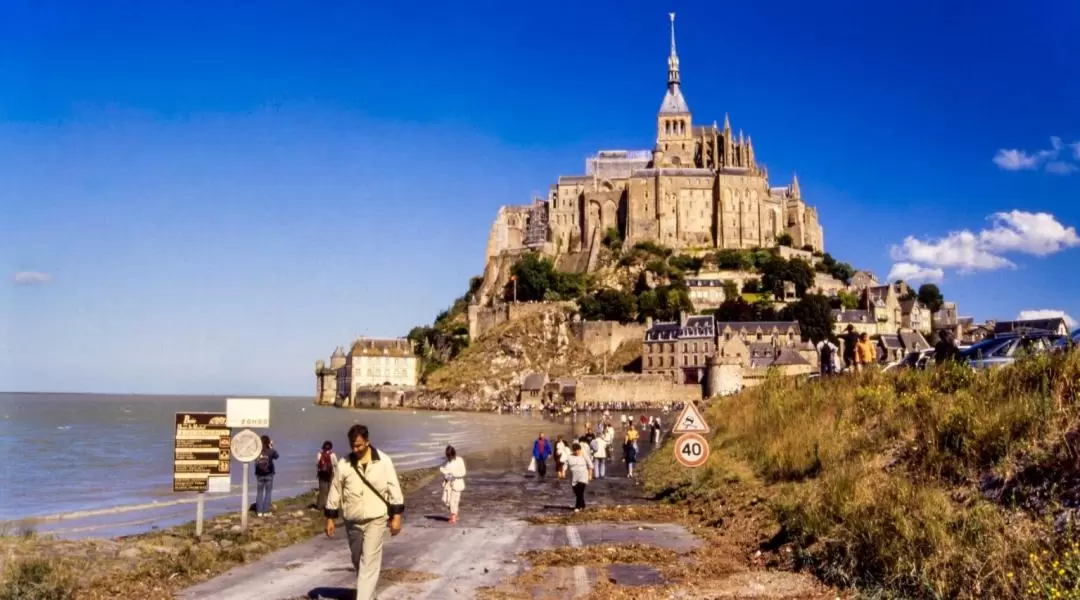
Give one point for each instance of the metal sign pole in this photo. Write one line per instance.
(199, 511)
(244, 501)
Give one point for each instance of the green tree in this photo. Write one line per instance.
(535, 275)
(814, 316)
(801, 274)
(764, 310)
(609, 305)
(648, 305)
(684, 262)
(848, 300)
(731, 289)
(930, 296)
(736, 309)
(785, 239)
(751, 286)
(733, 260)
(612, 238)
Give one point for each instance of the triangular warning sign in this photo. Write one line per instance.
(690, 421)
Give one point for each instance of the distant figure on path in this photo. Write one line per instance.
(865, 353)
(453, 481)
(541, 452)
(579, 476)
(599, 453)
(325, 462)
(946, 349)
(365, 493)
(264, 477)
(630, 456)
(561, 454)
(851, 339)
(826, 357)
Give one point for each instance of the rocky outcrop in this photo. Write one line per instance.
(488, 371)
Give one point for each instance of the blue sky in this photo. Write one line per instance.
(206, 197)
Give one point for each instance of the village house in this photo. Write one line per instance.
(1054, 326)
(914, 316)
(706, 294)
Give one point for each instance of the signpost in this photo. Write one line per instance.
(246, 447)
(201, 457)
(691, 449)
(248, 412)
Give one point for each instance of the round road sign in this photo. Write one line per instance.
(246, 446)
(691, 450)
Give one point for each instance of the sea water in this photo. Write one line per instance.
(80, 465)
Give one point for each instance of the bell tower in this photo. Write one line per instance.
(674, 138)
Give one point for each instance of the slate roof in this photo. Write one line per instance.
(906, 306)
(382, 347)
(756, 326)
(914, 341)
(697, 327)
(891, 341)
(1039, 324)
(674, 103)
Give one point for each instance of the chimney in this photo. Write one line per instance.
(683, 317)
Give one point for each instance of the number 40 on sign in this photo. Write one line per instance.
(691, 450)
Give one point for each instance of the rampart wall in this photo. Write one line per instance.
(604, 337)
(629, 387)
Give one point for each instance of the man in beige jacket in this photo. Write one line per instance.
(366, 494)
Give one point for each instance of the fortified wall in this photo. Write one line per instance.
(631, 387)
(381, 397)
(604, 337)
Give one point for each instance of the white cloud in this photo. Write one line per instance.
(1046, 313)
(1013, 232)
(31, 278)
(1013, 159)
(912, 273)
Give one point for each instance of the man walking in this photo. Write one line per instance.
(365, 493)
(541, 452)
(851, 339)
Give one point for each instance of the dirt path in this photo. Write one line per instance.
(480, 556)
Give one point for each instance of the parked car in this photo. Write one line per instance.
(1006, 349)
(1067, 342)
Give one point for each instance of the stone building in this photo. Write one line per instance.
(369, 363)
(914, 316)
(680, 349)
(700, 186)
(706, 293)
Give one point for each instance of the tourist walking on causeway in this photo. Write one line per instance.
(366, 494)
(629, 451)
(541, 452)
(578, 466)
(560, 455)
(599, 454)
(264, 477)
(325, 463)
(453, 481)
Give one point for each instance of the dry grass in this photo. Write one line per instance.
(930, 485)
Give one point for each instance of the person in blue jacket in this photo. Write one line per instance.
(541, 452)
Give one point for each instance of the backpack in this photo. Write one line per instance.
(262, 464)
(326, 465)
(826, 353)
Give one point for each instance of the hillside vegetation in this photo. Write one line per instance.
(939, 484)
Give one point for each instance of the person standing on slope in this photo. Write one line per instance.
(453, 482)
(367, 495)
(541, 452)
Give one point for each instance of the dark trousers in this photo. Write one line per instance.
(324, 492)
(541, 467)
(579, 495)
(264, 487)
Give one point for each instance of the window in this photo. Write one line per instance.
(685, 360)
(650, 361)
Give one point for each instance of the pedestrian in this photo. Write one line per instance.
(851, 339)
(629, 450)
(599, 455)
(579, 476)
(826, 357)
(865, 353)
(367, 495)
(453, 481)
(559, 455)
(541, 452)
(264, 477)
(946, 349)
(325, 463)
(563, 453)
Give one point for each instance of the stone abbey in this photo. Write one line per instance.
(700, 187)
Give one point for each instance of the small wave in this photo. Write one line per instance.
(63, 427)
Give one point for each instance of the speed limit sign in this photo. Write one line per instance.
(691, 450)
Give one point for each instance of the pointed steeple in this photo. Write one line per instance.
(727, 123)
(673, 59)
(795, 193)
(674, 103)
(750, 151)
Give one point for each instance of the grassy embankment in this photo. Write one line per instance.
(155, 564)
(939, 484)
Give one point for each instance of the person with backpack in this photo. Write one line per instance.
(827, 357)
(264, 477)
(367, 495)
(325, 465)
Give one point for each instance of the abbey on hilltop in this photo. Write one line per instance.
(699, 187)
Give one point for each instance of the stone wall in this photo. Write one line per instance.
(633, 388)
(382, 397)
(604, 337)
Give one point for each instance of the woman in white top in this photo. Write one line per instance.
(562, 453)
(453, 481)
(579, 475)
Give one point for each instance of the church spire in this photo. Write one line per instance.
(795, 192)
(673, 59)
(727, 123)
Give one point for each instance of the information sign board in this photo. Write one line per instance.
(247, 412)
(201, 451)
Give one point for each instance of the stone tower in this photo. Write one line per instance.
(674, 135)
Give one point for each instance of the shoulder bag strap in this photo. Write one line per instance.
(356, 468)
